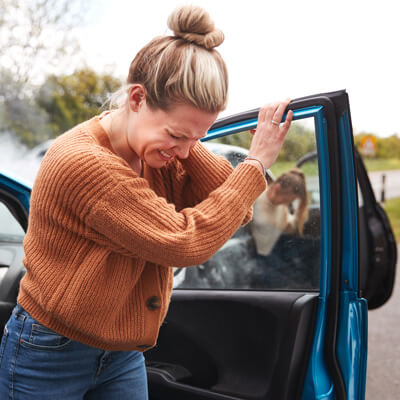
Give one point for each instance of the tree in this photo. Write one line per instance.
(21, 115)
(299, 141)
(387, 147)
(36, 36)
(71, 99)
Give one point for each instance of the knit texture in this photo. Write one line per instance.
(102, 241)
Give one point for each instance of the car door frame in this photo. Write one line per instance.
(328, 108)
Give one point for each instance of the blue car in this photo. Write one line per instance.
(290, 323)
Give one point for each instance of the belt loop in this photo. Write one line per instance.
(19, 312)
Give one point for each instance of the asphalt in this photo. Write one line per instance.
(383, 370)
(390, 185)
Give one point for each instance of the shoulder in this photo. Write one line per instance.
(76, 161)
(78, 149)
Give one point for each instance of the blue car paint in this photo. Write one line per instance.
(21, 190)
(318, 383)
(352, 338)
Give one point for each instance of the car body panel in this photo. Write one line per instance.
(353, 323)
(17, 188)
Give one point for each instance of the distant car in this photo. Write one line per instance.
(294, 327)
(40, 150)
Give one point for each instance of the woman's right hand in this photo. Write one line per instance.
(270, 133)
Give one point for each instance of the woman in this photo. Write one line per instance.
(272, 216)
(118, 201)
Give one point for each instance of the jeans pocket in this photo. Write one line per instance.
(38, 337)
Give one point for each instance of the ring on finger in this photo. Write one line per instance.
(275, 122)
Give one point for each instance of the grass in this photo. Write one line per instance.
(279, 167)
(381, 164)
(372, 164)
(392, 208)
(310, 168)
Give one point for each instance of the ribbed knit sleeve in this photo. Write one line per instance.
(130, 215)
(198, 175)
(206, 170)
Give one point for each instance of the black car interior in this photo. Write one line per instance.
(230, 345)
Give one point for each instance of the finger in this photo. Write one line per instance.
(261, 113)
(286, 125)
(280, 110)
(252, 131)
(271, 111)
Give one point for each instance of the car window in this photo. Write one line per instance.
(280, 247)
(10, 229)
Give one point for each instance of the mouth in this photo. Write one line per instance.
(165, 156)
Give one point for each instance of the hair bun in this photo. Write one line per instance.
(195, 25)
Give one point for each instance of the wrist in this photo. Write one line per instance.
(257, 162)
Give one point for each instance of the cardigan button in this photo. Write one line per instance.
(153, 303)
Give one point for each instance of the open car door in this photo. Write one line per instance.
(290, 324)
(14, 208)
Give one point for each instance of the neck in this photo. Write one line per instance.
(115, 125)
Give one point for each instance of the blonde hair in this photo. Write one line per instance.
(293, 182)
(181, 69)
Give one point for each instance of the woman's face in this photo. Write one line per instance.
(278, 196)
(158, 136)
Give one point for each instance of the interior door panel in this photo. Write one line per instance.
(247, 345)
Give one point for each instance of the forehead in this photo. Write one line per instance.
(189, 121)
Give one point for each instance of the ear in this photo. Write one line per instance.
(137, 96)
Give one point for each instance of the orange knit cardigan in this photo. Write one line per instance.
(101, 241)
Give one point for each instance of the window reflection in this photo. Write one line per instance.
(280, 248)
(10, 230)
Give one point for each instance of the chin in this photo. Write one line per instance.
(155, 163)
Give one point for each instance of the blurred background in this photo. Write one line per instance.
(61, 59)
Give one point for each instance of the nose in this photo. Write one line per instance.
(182, 151)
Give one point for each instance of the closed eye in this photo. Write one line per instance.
(173, 136)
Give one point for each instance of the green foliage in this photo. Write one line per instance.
(386, 148)
(392, 207)
(71, 99)
(299, 141)
(381, 164)
(242, 139)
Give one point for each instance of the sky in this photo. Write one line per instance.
(274, 50)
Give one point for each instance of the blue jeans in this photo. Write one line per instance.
(38, 363)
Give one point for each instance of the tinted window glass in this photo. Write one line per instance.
(10, 229)
(280, 247)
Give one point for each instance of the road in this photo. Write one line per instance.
(392, 184)
(383, 373)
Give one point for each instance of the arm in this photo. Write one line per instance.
(131, 217)
(203, 172)
(206, 171)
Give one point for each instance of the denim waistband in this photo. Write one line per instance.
(18, 311)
